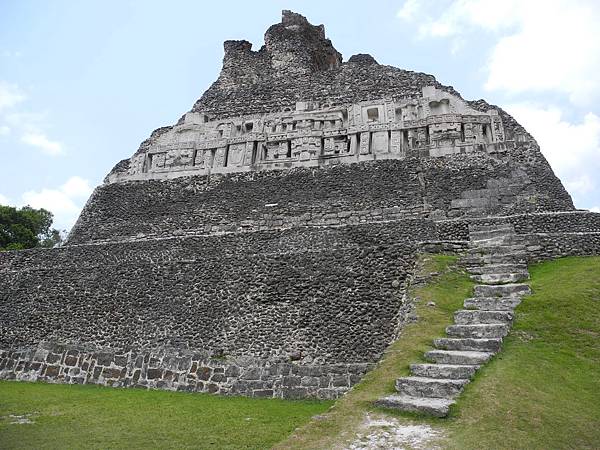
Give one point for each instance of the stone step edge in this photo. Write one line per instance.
(491, 279)
(478, 330)
(447, 371)
(480, 357)
(430, 387)
(437, 407)
(492, 345)
(499, 267)
(493, 304)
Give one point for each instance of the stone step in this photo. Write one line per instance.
(497, 250)
(497, 241)
(500, 278)
(469, 344)
(458, 357)
(475, 228)
(478, 331)
(488, 259)
(502, 290)
(497, 268)
(478, 317)
(429, 387)
(476, 235)
(437, 407)
(492, 303)
(452, 371)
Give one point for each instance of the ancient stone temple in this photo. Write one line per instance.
(263, 243)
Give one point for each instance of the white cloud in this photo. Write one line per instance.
(459, 16)
(65, 202)
(10, 95)
(24, 119)
(77, 187)
(410, 9)
(543, 45)
(30, 126)
(11, 54)
(566, 145)
(582, 185)
(572, 149)
(556, 49)
(4, 200)
(595, 209)
(41, 141)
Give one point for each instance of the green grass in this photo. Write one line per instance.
(541, 392)
(105, 418)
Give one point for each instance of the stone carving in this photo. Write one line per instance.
(435, 125)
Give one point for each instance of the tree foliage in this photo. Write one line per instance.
(26, 227)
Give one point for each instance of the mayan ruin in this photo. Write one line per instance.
(263, 244)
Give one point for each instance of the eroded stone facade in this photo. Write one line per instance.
(437, 124)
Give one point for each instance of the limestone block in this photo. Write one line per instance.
(396, 142)
(364, 143)
(219, 158)
(157, 161)
(137, 164)
(177, 158)
(236, 155)
(380, 142)
(470, 203)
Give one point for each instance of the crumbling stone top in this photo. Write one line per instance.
(296, 46)
(295, 102)
(299, 63)
(362, 58)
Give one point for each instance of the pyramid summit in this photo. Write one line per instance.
(262, 245)
(295, 103)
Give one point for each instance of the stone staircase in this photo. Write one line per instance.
(496, 259)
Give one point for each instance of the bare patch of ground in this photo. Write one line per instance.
(379, 432)
(15, 419)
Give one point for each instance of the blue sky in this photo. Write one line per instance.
(83, 83)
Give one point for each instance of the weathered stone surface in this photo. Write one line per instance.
(505, 290)
(176, 369)
(451, 371)
(469, 344)
(500, 278)
(248, 294)
(458, 357)
(437, 407)
(478, 331)
(492, 303)
(430, 387)
(466, 317)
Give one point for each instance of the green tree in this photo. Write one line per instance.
(26, 228)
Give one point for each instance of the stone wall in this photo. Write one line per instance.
(314, 302)
(288, 313)
(325, 196)
(181, 370)
(560, 222)
(548, 235)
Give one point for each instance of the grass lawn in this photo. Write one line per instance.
(71, 417)
(541, 392)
